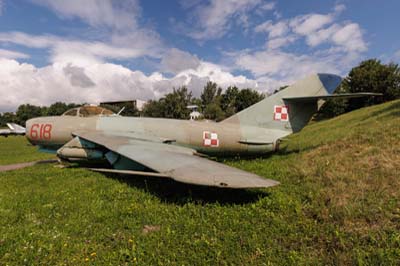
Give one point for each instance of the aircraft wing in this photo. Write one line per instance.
(179, 163)
(14, 129)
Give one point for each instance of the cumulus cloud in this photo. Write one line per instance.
(98, 82)
(268, 6)
(117, 21)
(98, 13)
(274, 30)
(12, 54)
(279, 42)
(175, 61)
(307, 24)
(316, 29)
(345, 42)
(80, 52)
(215, 19)
(285, 66)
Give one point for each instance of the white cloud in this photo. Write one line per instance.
(175, 61)
(268, 6)
(12, 54)
(80, 52)
(350, 37)
(280, 42)
(274, 30)
(97, 13)
(116, 21)
(316, 29)
(307, 24)
(397, 55)
(215, 19)
(286, 66)
(98, 82)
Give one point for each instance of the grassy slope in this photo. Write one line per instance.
(339, 203)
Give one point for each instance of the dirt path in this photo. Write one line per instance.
(10, 167)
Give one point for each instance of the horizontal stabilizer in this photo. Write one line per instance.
(332, 96)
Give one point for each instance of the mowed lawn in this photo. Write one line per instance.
(338, 203)
(15, 149)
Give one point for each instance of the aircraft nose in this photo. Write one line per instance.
(330, 81)
(32, 130)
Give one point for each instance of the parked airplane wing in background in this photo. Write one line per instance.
(179, 163)
(14, 129)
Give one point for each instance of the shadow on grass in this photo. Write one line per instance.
(171, 191)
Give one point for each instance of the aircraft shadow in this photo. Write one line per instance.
(174, 192)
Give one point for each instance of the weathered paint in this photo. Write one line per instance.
(238, 134)
(169, 146)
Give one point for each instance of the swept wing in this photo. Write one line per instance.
(179, 163)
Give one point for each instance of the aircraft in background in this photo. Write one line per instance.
(14, 129)
(178, 149)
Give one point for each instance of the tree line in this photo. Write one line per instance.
(215, 104)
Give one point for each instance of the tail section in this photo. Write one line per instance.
(290, 109)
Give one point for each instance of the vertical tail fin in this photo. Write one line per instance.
(279, 112)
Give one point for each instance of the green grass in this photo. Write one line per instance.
(339, 203)
(14, 149)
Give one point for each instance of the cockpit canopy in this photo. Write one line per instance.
(87, 111)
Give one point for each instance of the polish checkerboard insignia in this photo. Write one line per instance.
(281, 113)
(210, 139)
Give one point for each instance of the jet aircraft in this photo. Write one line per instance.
(178, 149)
(14, 129)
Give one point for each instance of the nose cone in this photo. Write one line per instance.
(33, 130)
(330, 81)
(28, 127)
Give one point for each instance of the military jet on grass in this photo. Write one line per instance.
(14, 130)
(177, 149)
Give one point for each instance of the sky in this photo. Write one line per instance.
(104, 50)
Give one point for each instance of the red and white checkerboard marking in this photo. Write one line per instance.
(281, 113)
(210, 139)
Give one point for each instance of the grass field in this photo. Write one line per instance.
(338, 203)
(17, 150)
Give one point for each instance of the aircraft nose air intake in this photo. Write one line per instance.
(330, 81)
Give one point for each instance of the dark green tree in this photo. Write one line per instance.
(246, 98)
(176, 102)
(7, 118)
(58, 108)
(369, 76)
(211, 93)
(153, 108)
(213, 111)
(173, 105)
(26, 112)
(228, 100)
(127, 109)
(373, 76)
